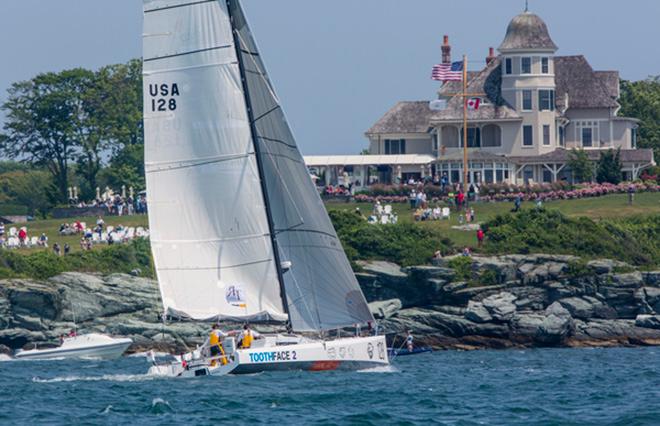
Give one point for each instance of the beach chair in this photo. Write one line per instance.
(13, 231)
(12, 242)
(388, 209)
(446, 213)
(384, 219)
(139, 231)
(34, 241)
(110, 228)
(95, 238)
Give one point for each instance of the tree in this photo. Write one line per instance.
(126, 168)
(578, 161)
(641, 100)
(41, 119)
(609, 168)
(32, 189)
(112, 111)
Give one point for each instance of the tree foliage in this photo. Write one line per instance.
(32, 189)
(641, 100)
(609, 168)
(73, 121)
(582, 168)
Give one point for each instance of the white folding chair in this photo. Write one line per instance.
(446, 213)
(388, 209)
(13, 231)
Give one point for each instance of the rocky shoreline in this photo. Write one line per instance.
(530, 301)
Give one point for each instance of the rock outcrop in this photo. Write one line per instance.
(504, 301)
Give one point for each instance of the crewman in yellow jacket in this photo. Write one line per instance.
(215, 345)
(247, 337)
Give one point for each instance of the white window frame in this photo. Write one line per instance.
(594, 125)
(522, 68)
(546, 126)
(545, 61)
(522, 100)
(523, 136)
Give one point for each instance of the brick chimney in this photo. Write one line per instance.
(446, 50)
(491, 56)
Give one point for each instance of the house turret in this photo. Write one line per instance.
(528, 81)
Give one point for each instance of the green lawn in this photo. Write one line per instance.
(611, 206)
(51, 228)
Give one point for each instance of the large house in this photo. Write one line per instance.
(535, 107)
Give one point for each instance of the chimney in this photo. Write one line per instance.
(446, 51)
(491, 56)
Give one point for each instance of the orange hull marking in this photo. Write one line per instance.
(325, 366)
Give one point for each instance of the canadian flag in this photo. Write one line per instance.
(473, 103)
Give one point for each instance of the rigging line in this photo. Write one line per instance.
(311, 231)
(288, 145)
(266, 113)
(191, 52)
(263, 75)
(202, 163)
(218, 268)
(231, 5)
(286, 188)
(179, 5)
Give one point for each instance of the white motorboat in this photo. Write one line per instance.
(238, 230)
(97, 346)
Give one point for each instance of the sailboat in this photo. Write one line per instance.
(238, 231)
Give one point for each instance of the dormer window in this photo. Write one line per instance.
(545, 66)
(526, 65)
(508, 66)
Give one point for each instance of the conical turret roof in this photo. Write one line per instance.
(527, 31)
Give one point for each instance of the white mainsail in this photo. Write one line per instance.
(230, 197)
(210, 236)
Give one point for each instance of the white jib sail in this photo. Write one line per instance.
(209, 231)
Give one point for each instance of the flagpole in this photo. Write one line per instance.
(465, 128)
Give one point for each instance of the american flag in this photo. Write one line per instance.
(448, 72)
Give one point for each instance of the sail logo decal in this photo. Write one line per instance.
(235, 296)
(163, 97)
(273, 356)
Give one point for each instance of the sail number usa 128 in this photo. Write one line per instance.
(164, 97)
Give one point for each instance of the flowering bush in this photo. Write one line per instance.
(508, 193)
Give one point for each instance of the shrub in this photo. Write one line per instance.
(462, 265)
(405, 244)
(633, 240)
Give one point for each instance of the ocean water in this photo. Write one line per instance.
(546, 387)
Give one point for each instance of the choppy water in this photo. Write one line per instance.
(551, 386)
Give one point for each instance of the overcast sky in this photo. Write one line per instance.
(337, 65)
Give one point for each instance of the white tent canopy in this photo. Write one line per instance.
(368, 160)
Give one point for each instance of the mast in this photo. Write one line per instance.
(260, 168)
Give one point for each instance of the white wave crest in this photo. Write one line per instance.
(5, 358)
(145, 354)
(382, 369)
(104, 378)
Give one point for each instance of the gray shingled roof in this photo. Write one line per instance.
(488, 81)
(527, 31)
(404, 117)
(561, 155)
(585, 87)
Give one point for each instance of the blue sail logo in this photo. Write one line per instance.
(235, 296)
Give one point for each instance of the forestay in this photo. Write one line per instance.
(321, 288)
(211, 241)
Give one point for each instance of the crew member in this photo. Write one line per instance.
(247, 337)
(215, 345)
(409, 341)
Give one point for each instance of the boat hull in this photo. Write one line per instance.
(106, 348)
(358, 353)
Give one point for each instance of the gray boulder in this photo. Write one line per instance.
(652, 278)
(606, 266)
(385, 309)
(551, 327)
(477, 312)
(500, 306)
(629, 280)
(648, 321)
(587, 307)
